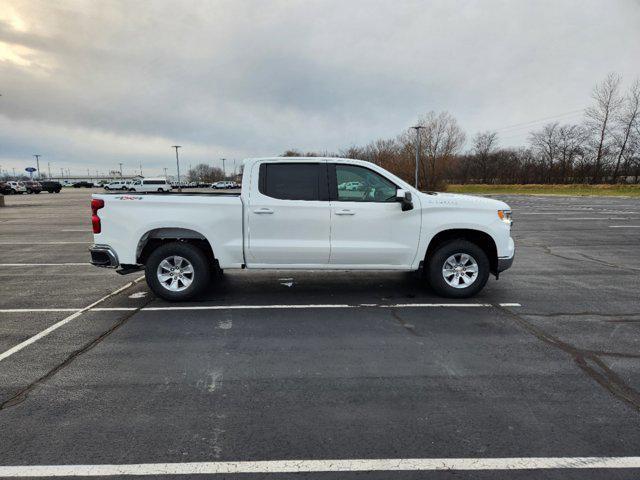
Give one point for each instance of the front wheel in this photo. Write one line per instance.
(177, 271)
(458, 269)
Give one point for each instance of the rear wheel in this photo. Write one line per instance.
(458, 269)
(177, 271)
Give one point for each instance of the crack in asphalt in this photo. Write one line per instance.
(582, 314)
(22, 394)
(407, 326)
(607, 264)
(588, 360)
(547, 250)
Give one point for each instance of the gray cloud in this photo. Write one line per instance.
(90, 84)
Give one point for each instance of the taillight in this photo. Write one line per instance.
(96, 204)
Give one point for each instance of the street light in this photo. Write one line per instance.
(120, 170)
(417, 129)
(178, 166)
(224, 170)
(38, 163)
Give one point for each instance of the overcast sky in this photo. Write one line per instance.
(91, 84)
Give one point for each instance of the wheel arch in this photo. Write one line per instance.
(160, 236)
(478, 237)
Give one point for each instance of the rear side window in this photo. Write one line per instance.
(293, 181)
(154, 182)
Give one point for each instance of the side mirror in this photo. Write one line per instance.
(404, 197)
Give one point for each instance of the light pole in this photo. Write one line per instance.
(178, 166)
(417, 129)
(141, 169)
(38, 163)
(120, 170)
(224, 171)
(165, 173)
(49, 168)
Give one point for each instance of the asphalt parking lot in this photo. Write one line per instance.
(324, 375)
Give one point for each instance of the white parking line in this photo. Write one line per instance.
(593, 218)
(25, 243)
(307, 466)
(578, 211)
(62, 322)
(263, 307)
(43, 264)
(624, 226)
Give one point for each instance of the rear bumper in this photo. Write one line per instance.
(104, 256)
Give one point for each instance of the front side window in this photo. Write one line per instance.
(290, 181)
(359, 184)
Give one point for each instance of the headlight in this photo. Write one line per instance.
(505, 216)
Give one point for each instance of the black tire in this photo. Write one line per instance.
(436, 263)
(201, 269)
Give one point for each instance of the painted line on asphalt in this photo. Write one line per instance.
(565, 212)
(624, 226)
(594, 218)
(44, 264)
(44, 243)
(64, 321)
(309, 466)
(38, 310)
(261, 307)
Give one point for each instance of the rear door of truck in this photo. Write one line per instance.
(289, 216)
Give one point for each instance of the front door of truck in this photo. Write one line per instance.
(288, 217)
(368, 227)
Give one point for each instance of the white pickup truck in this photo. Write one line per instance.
(297, 213)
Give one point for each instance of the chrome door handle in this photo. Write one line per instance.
(345, 212)
(263, 210)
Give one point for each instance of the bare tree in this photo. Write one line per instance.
(600, 116)
(571, 140)
(442, 138)
(627, 121)
(545, 143)
(484, 144)
(205, 173)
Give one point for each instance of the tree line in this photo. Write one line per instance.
(602, 148)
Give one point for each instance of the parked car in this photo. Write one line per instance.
(83, 183)
(16, 187)
(299, 219)
(5, 189)
(51, 186)
(150, 185)
(352, 186)
(33, 186)
(116, 185)
(224, 184)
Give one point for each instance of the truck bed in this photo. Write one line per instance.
(129, 219)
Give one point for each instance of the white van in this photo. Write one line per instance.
(116, 185)
(150, 185)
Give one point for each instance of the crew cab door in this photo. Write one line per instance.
(368, 227)
(288, 217)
